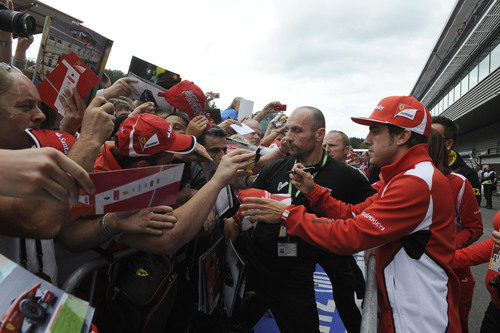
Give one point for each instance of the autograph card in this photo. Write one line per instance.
(130, 189)
(70, 72)
(494, 262)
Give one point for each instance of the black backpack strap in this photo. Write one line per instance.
(23, 257)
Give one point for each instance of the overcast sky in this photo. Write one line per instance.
(339, 56)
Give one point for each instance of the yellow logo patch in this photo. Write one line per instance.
(142, 272)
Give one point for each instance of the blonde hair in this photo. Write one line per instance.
(235, 104)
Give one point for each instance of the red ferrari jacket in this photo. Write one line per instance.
(410, 222)
(477, 254)
(105, 160)
(468, 219)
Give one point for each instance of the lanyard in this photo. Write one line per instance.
(323, 162)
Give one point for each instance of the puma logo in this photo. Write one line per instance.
(281, 185)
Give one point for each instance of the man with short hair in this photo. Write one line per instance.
(214, 141)
(20, 109)
(409, 222)
(449, 131)
(489, 184)
(254, 137)
(129, 152)
(336, 145)
(285, 282)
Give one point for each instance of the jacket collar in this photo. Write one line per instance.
(412, 156)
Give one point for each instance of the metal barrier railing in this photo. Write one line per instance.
(369, 318)
(91, 267)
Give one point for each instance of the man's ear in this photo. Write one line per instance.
(449, 143)
(403, 137)
(320, 135)
(141, 164)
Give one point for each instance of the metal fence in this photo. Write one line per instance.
(370, 308)
(92, 267)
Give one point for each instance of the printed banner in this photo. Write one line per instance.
(130, 189)
(69, 73)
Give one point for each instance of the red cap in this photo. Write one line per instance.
(146, 134)
(402, 111)
(59, 140)
(186, 96)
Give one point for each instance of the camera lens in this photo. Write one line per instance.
(19, 23)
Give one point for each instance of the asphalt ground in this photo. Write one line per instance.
(481, 297)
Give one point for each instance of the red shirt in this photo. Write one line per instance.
(105, 160)
(478, 254)
(410, 222)
(468, 219)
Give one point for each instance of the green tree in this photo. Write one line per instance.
(114, 74)
(356, 143)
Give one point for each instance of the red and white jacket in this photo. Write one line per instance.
(468, 219)
(477, 254)
(410, 221)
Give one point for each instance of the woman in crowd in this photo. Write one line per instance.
(468, 220)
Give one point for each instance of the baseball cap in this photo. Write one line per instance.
(402, 111)
(59, 140)
(186, 96)
(146, 134)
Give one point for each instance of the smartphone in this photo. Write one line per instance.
(216, 95)
(279, 121)
(256, 159)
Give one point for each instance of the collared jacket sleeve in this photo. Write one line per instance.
(380, 220)
(322, 202)
(471, 224)
(473, 255)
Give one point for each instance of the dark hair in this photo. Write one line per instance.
(317, 118)
(450, 128)
(414, 139)
(126, 161)
(438, 152)
(181, 114)
(215, 131)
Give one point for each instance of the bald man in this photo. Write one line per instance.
(336, 145)
(254, 137)
(283, 265)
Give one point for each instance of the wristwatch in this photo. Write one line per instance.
(4, 43)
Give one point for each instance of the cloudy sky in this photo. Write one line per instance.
(341, 56)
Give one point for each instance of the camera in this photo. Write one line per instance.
(21, 24)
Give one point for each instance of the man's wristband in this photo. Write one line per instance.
(284, 216)
(5, 43)
(103, 227)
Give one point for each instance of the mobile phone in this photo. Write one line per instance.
(279, 120)
(306, 169)
(280, 107)
(216, 95)
(256, 159)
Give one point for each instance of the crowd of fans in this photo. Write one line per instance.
(410, 197)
